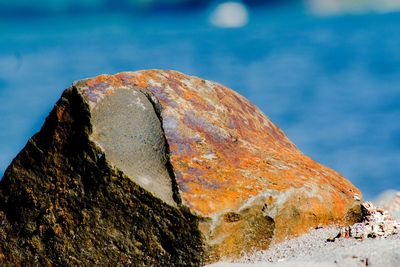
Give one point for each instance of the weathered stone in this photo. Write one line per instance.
(376, 222)
(159, 168)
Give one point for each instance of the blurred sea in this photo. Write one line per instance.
(332, 83)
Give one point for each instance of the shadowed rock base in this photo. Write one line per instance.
(156, 168)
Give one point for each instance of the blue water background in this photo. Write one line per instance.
(331, 83)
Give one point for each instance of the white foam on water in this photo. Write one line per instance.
(230, 15)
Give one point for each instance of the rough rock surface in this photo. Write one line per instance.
(376, 222)
(159, 168)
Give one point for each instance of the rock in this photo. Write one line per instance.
(376, 222)
(159, 168)
(390, 201)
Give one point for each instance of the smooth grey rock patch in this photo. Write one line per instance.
(126, 127)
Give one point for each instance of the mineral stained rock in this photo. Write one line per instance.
(156, 168)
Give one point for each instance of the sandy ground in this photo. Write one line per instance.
(312, 250)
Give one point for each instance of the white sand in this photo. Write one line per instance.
(312, 250)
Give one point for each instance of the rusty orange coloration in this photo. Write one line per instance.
(224, 150)
(226, 154)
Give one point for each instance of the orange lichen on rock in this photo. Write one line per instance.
(227, 156)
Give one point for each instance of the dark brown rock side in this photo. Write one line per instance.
(63, 204)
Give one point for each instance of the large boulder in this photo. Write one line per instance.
(159, 168)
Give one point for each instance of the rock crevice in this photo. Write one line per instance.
(168, 165)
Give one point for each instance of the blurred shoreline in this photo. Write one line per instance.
(40, 8)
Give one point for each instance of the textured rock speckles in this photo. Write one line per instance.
(191, 171)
